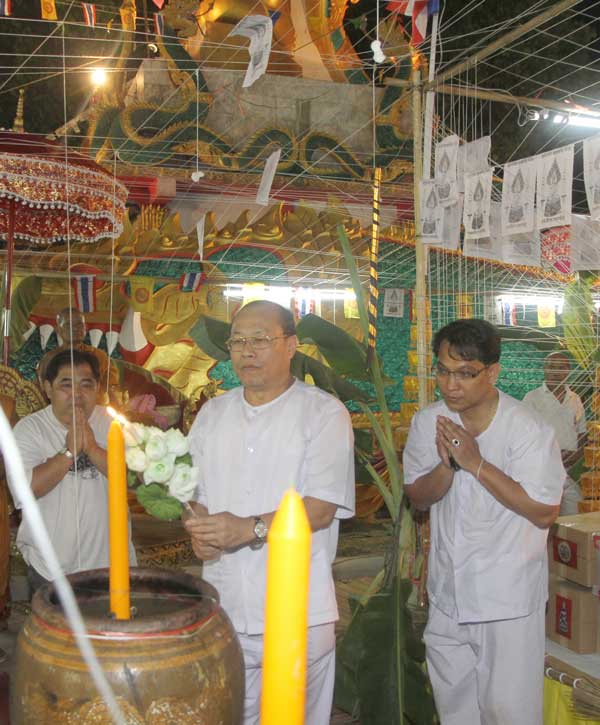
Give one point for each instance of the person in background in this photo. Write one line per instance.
(63, 448)
(71, 330)
(562, 409)
(490, 471)
(251, 445)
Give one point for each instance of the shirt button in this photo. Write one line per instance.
(250, 449)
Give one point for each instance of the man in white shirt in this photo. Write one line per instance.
(63, 448)
(490, 471)
(251, 445)
(562, 408)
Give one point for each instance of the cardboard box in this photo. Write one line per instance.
(572, 616)
(588, 506)
(574, 548)
(591, 456)
(590, 483)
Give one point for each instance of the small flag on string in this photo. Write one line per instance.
(5, 8)
(546, 314)
(89, 14)
(266, 181)
(48, 10)
(159, 3)
(200, 235)
(159, 24)
(191, 281)
(84, 289)
(419, 11)
(142, 290)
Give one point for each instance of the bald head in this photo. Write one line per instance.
(556, 370)
(285, 318)
(70, 325)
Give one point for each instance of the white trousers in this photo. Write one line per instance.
(320, 674)
(489, 673)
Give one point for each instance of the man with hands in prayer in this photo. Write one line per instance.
(490, 471)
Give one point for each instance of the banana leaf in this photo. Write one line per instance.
(577, 315)
(540, 339)
(344, 353)
(23, 300)
(211, 335)
(128, 372)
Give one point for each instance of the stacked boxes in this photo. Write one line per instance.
(590, 481)
(573, 614)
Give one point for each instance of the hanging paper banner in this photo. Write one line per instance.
(472, 158)
(490, 246)
(48, 10)
(431, 213)
(260, 31)
(142, 290)
(393, 302)
(585, 243)
(464, 306)
(591, 174)
(518, 197)
(554, 187)
(264, 189)
(524, 249)
(492, 308)
(446, 152)
(200, 235)
(451, 222)
(546, 315)
(476, 213)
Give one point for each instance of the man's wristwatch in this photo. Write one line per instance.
(64, 451)
(260, 533)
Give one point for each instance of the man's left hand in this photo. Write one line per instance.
(223, 530)
(459, 443)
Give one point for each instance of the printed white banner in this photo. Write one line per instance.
(585, 243)
(490, 246)
(518, 197)
(264, 189)
(554, 187)
(431, 213)
(472, 158)
(446, 152)
(259, 29)
(522, 249)
(393, 302)
(476, 213)
(591, 174)
(451, 221)
(200, 234)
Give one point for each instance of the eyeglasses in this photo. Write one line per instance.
(462, 375)
(262, 342)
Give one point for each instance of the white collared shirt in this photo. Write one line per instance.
(75, 511)
(486, 562)
(567, 418)
(248, 457)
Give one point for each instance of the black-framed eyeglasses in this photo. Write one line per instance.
(462, 375)
(258, 342)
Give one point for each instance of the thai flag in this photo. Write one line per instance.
(192, 281)
(84, 288)
(159, 3)
(419, 11)
(89, 14)
(5, 8)
(159, 24)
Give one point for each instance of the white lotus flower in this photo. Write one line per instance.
(177, 443)
(135, 458)
(183, 482)
(156, 447)
(160, 471)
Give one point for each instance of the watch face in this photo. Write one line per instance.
(260, 529)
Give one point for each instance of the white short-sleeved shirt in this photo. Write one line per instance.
(248, 457)
(75, 511)
(566, 418)
(487, 563)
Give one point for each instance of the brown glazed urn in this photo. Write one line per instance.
(176, 661)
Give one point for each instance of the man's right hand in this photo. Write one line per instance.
(75, 441)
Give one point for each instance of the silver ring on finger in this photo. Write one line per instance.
(455, 442)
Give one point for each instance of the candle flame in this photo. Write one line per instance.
(118, 416)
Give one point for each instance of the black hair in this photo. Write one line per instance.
(470, 340)
(63, 359)
(286, 317)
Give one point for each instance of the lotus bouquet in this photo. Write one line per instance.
(160, 469)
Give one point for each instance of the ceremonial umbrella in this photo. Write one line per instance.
(50, 194)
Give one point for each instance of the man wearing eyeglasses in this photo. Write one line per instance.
(490, 471)
(250, 446)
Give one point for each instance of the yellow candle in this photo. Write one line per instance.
(118, 525)
(286, 615)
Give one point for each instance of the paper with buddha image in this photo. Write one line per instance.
(446, 152)
(591, 174)
(431, 212)
(518, 197)
(554, 187)
(476, 213)
(524, 249)
(472, 158)
(585, 243)
(451, 222)
(259, 29)
(489, 246)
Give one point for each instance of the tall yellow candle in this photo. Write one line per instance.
(118, 524)
(286, 615)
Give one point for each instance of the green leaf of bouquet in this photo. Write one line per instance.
(158, 503)
(186, 458)
(132, 479)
